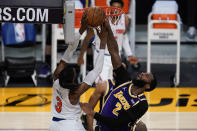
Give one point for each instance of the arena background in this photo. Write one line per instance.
(25, 107)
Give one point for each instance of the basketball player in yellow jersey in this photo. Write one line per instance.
(119, 30)
(65, 106)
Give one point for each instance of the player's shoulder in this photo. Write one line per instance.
(144, 104)
(102, 86)
(56, 84)
(126, 84)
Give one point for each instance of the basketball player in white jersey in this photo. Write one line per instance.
(65, 107)
(119, 31)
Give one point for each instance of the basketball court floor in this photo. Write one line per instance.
(28, 109)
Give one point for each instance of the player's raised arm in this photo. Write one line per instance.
(71, 48)
(112, 46)
(86, 41)
(92, 75)
(120, 73)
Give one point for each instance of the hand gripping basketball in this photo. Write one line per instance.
(95, 16)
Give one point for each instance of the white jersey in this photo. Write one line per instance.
(118, 31)
(61, 106)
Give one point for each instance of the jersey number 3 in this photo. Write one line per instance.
(58, 106)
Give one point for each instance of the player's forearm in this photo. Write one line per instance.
(111, 42)
(94, 98)
(72, 47)
(84, 47)
(86, 41)
(59, 68)
(90, 121)
(92, 75)
(83, 88)
(113, 50)
(102, 44)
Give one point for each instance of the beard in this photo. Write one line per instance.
(139, 83)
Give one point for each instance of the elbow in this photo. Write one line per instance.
(63, 63)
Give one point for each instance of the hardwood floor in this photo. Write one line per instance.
(28, 109)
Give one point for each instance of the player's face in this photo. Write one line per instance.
(117, 5)
(147, 77)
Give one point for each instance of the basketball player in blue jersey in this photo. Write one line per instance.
(123, 100)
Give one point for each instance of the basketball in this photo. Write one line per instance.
(95, 16)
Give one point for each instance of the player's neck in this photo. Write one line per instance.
(136, 90)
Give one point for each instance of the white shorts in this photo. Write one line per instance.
(66, 125)
(107, 71)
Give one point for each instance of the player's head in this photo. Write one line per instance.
(145, 80)
(117, 3)
(68, 78)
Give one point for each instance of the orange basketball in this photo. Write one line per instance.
(95, 16)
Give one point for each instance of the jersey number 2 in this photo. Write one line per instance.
(58, 106)
(118, 107)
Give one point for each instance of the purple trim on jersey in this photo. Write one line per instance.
(117, 101)
(110, 89)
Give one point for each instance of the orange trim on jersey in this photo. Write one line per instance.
(120, 31)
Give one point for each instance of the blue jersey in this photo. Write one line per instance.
(117, 100)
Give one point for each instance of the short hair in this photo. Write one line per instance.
(118, 1)
(153, 84)
(68, 77)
